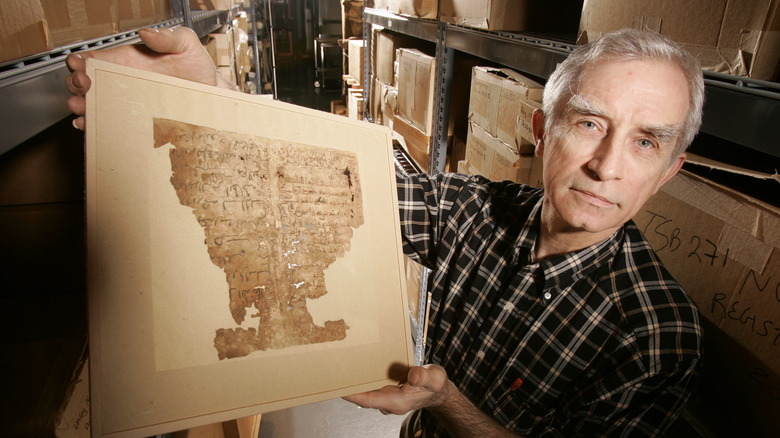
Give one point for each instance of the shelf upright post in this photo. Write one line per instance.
(187, 13)
(273, 47)
(255, 48)
(366, 64)
(442, 95)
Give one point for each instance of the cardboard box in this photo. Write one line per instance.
(220, 46)
(494, 159)
(352, 19)
(412, 8)
(738, 37)
(338, 107)
(23, 29)
(73, 421)
(388, 104)
(79, 20)
(355, 103)
(355, 49)
(133, 14)
(384, 49)
(378, 91)
(535, 177)
(724, 249)
(208, 5)
(494, 104)
(416, 75)
(464, 168)
(414, 141)
(514, 15)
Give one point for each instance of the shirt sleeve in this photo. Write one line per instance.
(425, 203)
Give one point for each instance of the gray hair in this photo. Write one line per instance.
(625, 44)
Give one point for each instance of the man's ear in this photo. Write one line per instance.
(537, 126)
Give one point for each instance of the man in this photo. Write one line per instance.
(550, 314)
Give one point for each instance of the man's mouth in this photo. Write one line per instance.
(595, 199)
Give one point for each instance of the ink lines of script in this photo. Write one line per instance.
(276, 215)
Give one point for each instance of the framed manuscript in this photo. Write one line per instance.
(243, 255)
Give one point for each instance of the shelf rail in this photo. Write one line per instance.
(33, 90)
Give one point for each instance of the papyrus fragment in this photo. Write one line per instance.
(275, 215)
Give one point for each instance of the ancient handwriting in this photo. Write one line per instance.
(276, 215)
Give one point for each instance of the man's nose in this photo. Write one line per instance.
(608, 161)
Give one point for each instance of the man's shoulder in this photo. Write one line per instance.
(644, 285)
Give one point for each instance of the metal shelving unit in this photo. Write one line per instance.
(33, 90)
(741, 110)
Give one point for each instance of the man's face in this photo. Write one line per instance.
(614, 147)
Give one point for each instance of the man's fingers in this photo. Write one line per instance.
(75, 61)
(374, 399)
(169, 40)
(77, 105)
(78, 82)
(431, 377)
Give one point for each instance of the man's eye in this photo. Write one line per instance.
(645, 143)
(588, 124)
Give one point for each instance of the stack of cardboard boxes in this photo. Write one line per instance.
(229, 49)
(355, 78)
(29, 27)
(500, 144)
(509, 15)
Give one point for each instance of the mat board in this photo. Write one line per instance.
(243, 255)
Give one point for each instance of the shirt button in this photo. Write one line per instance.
(547, 295)
(509, 307)
(481, 354)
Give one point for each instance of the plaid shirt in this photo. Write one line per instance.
(598, 342)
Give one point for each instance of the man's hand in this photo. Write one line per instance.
(171, 51)
(425, 387)
(428, 387)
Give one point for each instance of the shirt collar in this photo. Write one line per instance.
(560, 272)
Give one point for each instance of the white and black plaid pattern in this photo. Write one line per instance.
(600, 342)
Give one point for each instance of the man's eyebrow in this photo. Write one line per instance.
(581, 105)
(664, 133)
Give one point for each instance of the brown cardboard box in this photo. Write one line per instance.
(79, 20)
(516, 15)
(352, 19)
(355, 103)
(389, 105)
(73, 421)
(494, 159)
(724, 249)
(414, 141)
(412, 8)
(739, 37)
(384, 52)
(220, 46)
(23, 29)
(378, 91)
(355, 49)
(208, 5)
(535, 177)
(384, 56)
(465, 168)
(163, 10)
(416, 74)
(132, 14)
(493, 104)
